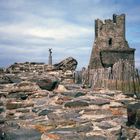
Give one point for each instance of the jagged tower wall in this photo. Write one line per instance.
(110, 41)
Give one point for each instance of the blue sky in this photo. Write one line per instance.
(28, 28)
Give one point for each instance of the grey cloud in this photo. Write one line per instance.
(71, 18)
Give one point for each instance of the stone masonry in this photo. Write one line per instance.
(110, 44)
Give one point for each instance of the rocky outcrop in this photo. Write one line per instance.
(34, 67)
(48, 108)
(67, 64)
(73, 113)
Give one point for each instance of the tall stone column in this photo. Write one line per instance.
(50, 57)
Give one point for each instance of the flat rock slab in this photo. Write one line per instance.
(70, 115)
(15, 105)
(70, 136)
(24, 86)
(99, 101)
(18, 95)
(21, 134)
(44, 112)
(78, 129)
(97, 112)
(74, 104)
(73, 94)
(104, 125)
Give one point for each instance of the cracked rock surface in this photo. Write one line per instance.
(29, 112)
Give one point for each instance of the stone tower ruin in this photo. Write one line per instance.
(110, 44)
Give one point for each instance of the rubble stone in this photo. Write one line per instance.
(67, 64)
(67, 113)
(47, 82)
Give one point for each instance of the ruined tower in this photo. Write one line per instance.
(110, 43)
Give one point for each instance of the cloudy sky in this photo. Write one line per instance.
(28, 28)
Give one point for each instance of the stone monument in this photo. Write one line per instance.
(50, 57)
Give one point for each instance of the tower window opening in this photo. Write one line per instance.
(110, 41)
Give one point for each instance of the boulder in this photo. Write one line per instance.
(61, 88)
(47, 82)
(67, 64)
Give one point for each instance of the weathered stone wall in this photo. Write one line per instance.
(27, 67)
(67, 64)
(110, 35)
(110, 57)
